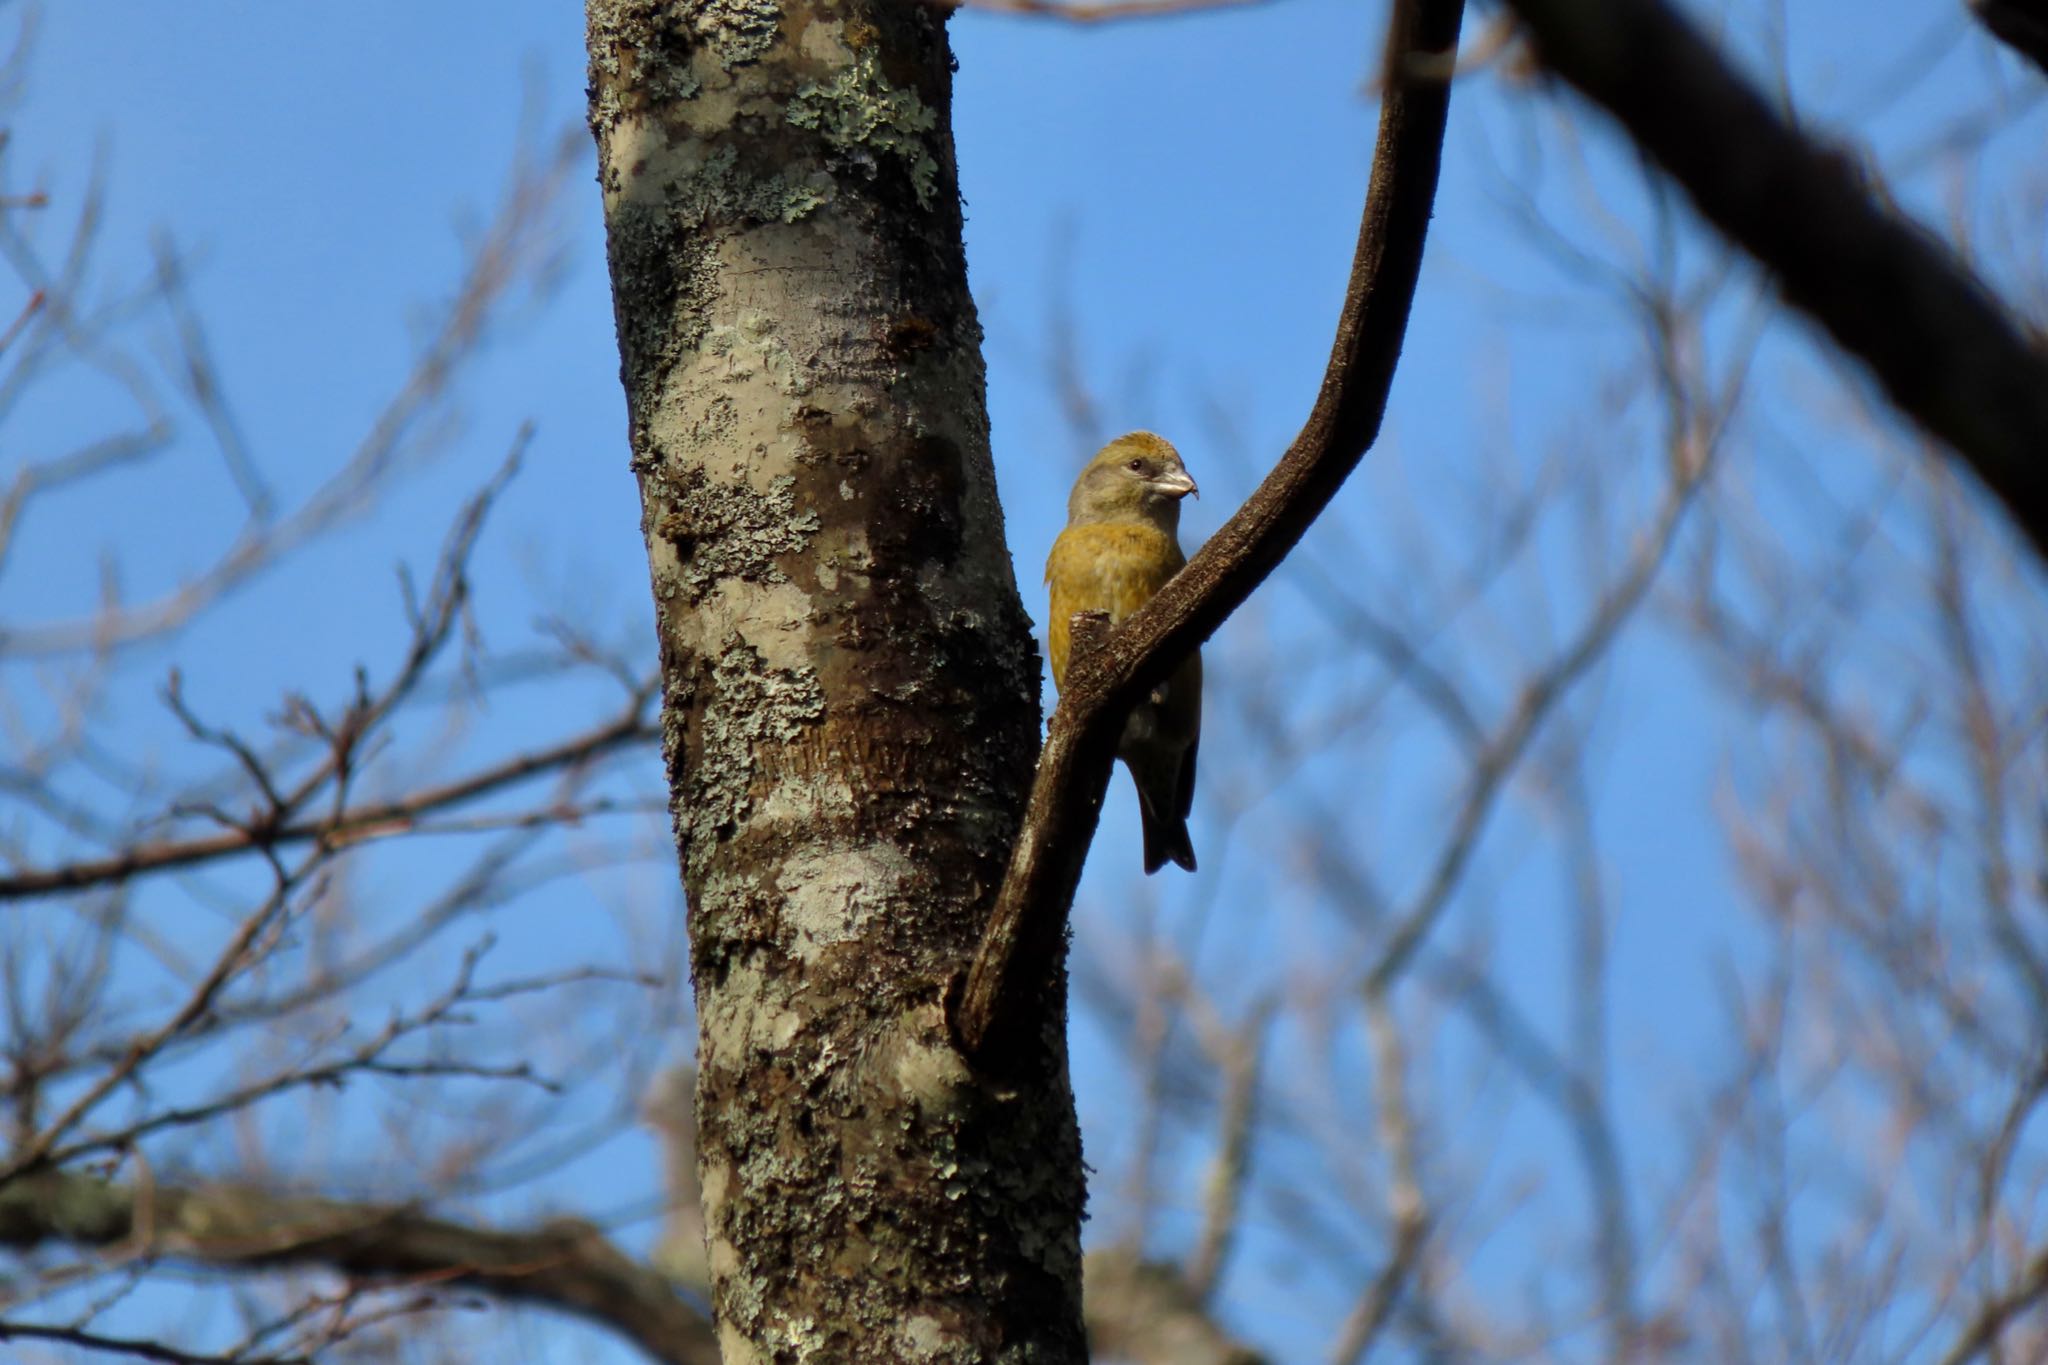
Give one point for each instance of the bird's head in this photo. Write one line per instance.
(1137, 476)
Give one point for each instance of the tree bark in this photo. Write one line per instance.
(850, 717)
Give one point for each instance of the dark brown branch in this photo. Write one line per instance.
(2021, 25)
(1936, 339)
(360, 824)
(1022, 941)
(83, 1340)
(569, 1266)
(1984, 1329)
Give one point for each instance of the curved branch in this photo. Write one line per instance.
(1935, 337)
(1020, 946)
(567, 1265)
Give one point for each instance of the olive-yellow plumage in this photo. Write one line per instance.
(1120, 546)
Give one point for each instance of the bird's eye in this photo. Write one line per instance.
(1136, 466)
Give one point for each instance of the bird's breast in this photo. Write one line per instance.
(1112, 567)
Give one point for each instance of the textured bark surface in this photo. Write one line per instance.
(851, 686)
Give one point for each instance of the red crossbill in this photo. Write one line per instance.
(1120, 546)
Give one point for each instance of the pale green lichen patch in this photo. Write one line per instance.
(637, 62)
(714, 191)
(722, 531)
(861, 115)
(663, 221)
(751, 706)
(737, 30)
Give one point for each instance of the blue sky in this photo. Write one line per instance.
(1190, 190)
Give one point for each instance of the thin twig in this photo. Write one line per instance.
(1237, 1055)
(1405, 1202)
(359, 824)
(567, 1265)
(135, 1347)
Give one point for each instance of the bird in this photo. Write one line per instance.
(1121, 544)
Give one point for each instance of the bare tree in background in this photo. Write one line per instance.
(848, 1173)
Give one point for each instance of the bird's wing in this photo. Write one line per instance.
(1103, 566)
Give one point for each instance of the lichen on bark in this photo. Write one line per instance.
(860, 114)
(851, 712)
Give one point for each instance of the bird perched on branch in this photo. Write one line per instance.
(1120, 546)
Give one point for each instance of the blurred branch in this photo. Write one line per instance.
(1237, 1053)
(1984, 742)
(227, 963)
(130, 1346)
(1396, 1130)
(353, 825)
(259, 938)
(1982, 1332)
(285, 814)
(670, 1109)
(516, 248)
(1935, 337)
(2021, 25)
(1498, 760)
(1576, 1097)
(1147, 1313)
(566, 1265)
(1025, 930)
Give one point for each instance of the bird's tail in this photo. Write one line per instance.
(1166, 838)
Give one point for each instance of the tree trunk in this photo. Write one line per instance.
(851, 717)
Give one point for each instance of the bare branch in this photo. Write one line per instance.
(1405, 1200)
(230, 960)
(1146, 1312)
(1237, 1054)
(338, 829)
(514, 250)
(2021, 25)
(567, 1265)
(1023, 936)
(1948, 354)
(1498, 760)
(129, 1346)
(1982, 1332)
